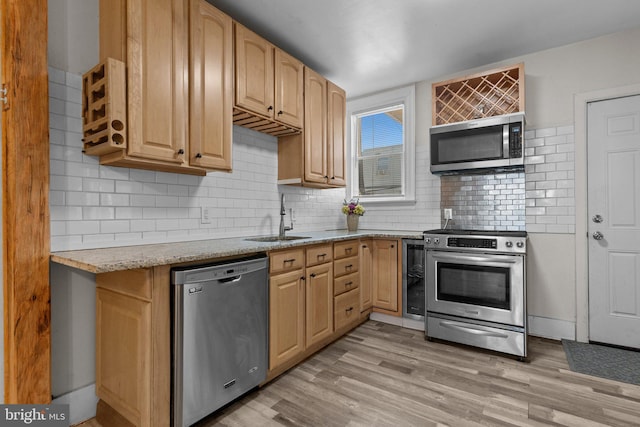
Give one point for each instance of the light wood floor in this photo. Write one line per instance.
(384, 375)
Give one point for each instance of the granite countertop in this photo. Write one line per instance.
(142, 256)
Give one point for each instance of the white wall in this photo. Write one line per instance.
(73, 34)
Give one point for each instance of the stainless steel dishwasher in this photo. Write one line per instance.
(219, 335)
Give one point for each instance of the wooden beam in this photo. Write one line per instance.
(25, 175)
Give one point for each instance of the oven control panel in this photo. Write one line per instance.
(469, 242)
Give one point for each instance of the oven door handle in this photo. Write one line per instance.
(505, 259)
(472, 330)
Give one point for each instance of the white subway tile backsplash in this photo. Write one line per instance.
(134, 206)
(550, 183)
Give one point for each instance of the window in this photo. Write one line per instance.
(381, 135)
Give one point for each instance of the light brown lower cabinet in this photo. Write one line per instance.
(385, 275)
(366, 282)
(286, 317)
(133, 355)
(319, 306)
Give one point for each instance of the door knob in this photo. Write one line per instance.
(598, 235)
(597, 219)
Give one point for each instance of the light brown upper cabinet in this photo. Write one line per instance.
(162, 42)
(336, 135)
(315, 127)
(269, 85)
(316, 158)
(210, 87)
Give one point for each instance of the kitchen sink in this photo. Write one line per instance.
(276, 238)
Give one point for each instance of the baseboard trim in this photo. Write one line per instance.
(398, 321)
(555, 329)
(82, 403)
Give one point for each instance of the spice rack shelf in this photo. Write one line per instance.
(491, 93)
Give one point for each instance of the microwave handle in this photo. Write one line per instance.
(505, 141)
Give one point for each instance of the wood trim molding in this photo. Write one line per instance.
(25, 175)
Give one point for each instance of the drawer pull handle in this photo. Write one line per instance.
(348, 266)
(349, 309)
(322, 255)
(289, 260)
(348, 284)
(348, 249)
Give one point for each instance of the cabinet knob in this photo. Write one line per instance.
(181, 151)
(333, 177)
(312, 275)
(280, 112)
(270, 108)
(198, 156)
(303, 278)
(393, 246)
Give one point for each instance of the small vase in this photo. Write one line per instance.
(352, 222)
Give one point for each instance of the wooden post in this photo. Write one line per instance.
(25, 176)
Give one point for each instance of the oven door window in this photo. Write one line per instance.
(475, 285)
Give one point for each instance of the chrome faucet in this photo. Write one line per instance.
(283, 212)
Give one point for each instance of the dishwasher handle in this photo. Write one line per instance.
(229, 280)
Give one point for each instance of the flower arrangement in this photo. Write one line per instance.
(353, 207)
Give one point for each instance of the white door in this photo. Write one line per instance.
(613, 144)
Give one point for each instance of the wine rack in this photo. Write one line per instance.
(492, 93)
(104, 108)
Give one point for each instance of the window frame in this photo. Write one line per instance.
(368, 104)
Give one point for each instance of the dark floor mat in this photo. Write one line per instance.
(602, 361)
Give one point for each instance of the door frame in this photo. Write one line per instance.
(581, 101)
(25, 204)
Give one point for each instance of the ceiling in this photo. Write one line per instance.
(366, 46)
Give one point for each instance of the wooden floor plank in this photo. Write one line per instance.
(384, 375)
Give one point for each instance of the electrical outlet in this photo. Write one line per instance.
(448, 213)
(205, 215)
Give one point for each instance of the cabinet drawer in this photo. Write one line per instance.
(286, 261)
(345, 249)
(346, 308)
(319, 255)
(345, 266)
(346, 283)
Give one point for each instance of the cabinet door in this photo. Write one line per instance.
(385, 274)
(210, 87)
(315, 127)
(336, 134)
(286, 317)
(123, 354)
(157, 87)
(254, 72)
(289, 85)
(366, 296)
(319, 307)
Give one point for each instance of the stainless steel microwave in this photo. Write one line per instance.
(494, 143)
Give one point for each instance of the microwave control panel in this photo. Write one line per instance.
(515, 140)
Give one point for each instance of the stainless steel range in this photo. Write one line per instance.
(476, 288)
